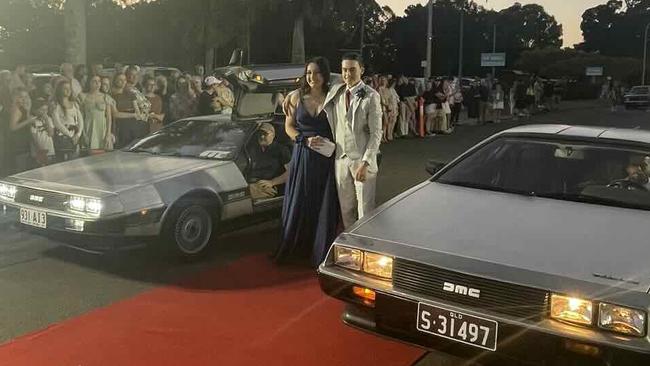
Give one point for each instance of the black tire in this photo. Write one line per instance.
(189, 229)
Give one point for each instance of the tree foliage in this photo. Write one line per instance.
(556, 63)
(615, 28)
(519, 27)
(178, 32)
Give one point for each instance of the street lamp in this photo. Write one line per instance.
(645, 52)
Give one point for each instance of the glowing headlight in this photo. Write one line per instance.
(378, 265)
(77, 204)
(622, 320)
(89, 205)
(348, 257)
(93, 206)
(571, 309)
(7, 191)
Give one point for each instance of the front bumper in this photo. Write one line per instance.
(394, 316)
(133, 225)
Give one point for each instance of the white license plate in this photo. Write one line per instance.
(457, 326)
(33, 218)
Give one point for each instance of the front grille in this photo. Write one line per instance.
(495, 296)
(51, 200)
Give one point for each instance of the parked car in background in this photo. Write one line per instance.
(637, 97)
(531, 246)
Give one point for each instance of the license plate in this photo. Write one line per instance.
(33, 218)
(457, 326)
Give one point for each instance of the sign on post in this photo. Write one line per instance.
(493, 59)
(595, 71)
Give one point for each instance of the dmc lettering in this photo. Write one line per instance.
(461, 290)
(36, 198)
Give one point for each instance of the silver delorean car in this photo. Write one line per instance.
(184, 183)
(532, 246)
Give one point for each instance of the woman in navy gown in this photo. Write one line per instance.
(311, 213)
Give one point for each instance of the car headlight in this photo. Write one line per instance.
(621, 319)
(378, 265)
(571, 309)
(371, 263)
(93, 206)
(89, 205)
(348, 257)
(7, 191)
(77, 204)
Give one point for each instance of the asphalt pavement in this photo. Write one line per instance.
(43, 282)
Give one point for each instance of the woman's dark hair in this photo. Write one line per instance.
(38, 103)
(58, 94)
(323, 68)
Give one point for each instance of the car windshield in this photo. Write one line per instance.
(593, 173)
(255, 104)
(219, 140)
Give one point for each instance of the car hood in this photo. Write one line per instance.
(560, 238)
(110, 173)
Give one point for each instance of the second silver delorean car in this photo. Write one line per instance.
(531, 248)
(184, 183)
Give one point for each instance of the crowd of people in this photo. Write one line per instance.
(85, 111)
(444, 98)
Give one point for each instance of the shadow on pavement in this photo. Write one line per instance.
(150, 265)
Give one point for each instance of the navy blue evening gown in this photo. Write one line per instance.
(311, 213)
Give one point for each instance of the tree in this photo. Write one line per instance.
(178, 32)
(75, 25)
(519, 27)
(300, 10)
(615, 28)
(536, 61)
(301, 24)
(29, 34)
(526, 27)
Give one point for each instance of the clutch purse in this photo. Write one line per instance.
(326, 148)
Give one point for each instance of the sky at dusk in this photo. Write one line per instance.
(567, 12)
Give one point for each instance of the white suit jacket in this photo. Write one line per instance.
(364, 119)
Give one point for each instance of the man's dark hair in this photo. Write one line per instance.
(353, 56)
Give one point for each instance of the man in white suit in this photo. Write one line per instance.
(354, 112)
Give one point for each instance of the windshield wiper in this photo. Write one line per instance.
(139, 150)
(171, 153)
(587, 198)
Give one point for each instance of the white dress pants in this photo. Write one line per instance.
(357, 199)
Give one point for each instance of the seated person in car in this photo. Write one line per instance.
(270, 164)
(637, 171)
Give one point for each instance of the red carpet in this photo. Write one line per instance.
(248, 313)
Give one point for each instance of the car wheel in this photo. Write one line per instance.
(190, 229)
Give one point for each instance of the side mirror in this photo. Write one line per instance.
(433, 166)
